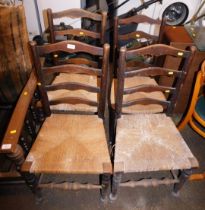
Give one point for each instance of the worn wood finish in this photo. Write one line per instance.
(37, 64)
(150, 149)
(78, 32)
(15, 126)
(72, 100)
(153, 72)
(137, 35)
(104, 81)
(150, 141)
(70, 47)
(158, 50)
(133, 65)
(121, 80)
(181, 80)
(147, 88)
(72, 86)
(103, 27)
(139, 19)
(70, 144)
(80, 61)
(77, 13)
(51, 25)
(70, 186)
(146, 101)
(72, 68)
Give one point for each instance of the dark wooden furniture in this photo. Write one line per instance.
(83, 59)
(177, 36)
(67, 143)
(150, 142)
(135, 39)
(78, 13)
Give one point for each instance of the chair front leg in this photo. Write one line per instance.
(17, 156)
(105, 183)
(183, 177)
(116, 180)
(31, 180)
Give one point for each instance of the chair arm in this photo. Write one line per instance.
(16, 122)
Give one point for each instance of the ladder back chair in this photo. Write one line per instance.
(66, 143)
(81, 58)
(98, 36)
(134, 39)
(149, 142)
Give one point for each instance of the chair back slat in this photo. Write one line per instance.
(133, 39)
(78, 32)
(72, 68)
(148, 88)
(81, 61)
(101, 75)
(158, 50)
(72, 86)
(73, 100)
(146, 101)
(153, 71)
(78, 13)
(172, 92)
(137, 35)
(139, 19)
(70, 47)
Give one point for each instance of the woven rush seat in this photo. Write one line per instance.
(70, 144)
(149, 145)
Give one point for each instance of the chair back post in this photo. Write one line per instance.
(104, 81)
(161, 31)
(41, 83)
(121, 79)
(103, 27)
(115, 44)
(51, 25)
(180, 81)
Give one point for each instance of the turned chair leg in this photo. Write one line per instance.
(31, 180)
(105, 183)
(117, 177)
(183, 177)
(17, 156)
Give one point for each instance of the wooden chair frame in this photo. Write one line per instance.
(77, 13)
(10, 144)
(156, 50)
(137, 19)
